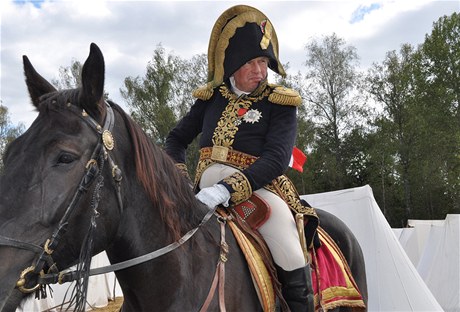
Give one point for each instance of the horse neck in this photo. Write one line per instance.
(169, 275)
(166, 188)
(159, 208)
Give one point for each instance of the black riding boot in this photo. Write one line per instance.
(297, 289)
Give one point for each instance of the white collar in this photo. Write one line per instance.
(235, 89)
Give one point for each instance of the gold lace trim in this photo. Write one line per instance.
(286, 189)
(241, 187)
(227, 126)
(183, 169)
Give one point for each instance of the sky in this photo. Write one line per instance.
(54, 33)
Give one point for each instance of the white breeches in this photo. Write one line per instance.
(279, 231)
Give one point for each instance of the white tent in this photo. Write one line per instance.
(439, 261)
(393, 282)
(407, 237)
(414, 237)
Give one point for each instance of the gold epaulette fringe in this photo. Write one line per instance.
(204, 92)
(284, 96)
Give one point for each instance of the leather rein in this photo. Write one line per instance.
(93, 171)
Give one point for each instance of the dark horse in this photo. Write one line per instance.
(85, 178)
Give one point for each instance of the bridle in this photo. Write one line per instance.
(93, 172)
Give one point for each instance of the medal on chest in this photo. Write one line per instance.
(248, 115)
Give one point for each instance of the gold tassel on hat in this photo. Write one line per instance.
(266, 28)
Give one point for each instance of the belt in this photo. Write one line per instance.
(227, 155)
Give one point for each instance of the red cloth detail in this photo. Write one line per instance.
(242, 111)
(336, 284)
(330, 272)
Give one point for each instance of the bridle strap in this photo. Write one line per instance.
(73, 275)
(10, 242)
(91, 173)
(219, 276)
(100, 153)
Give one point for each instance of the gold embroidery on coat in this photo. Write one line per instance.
(201, 167)
(227, 127)
(241, 186)
(286, 189)
(183, 169)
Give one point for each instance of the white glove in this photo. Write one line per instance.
(214, 195)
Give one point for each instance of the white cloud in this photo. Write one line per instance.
(52, 33)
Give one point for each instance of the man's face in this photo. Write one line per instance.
(248, 76)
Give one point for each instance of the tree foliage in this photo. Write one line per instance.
(332, 96)
(8, 132)
(163, 95)
(418, 133)
(69, 77)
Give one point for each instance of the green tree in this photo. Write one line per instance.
(164, 95)
(440, 111)
(69, 77)
(150, 98)
(392, 84)
(332, 90)
(8, 132)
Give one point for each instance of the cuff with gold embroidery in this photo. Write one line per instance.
(238, 186)
(183, 169)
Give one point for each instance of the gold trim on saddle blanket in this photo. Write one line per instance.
(333, 295)
(259, 273)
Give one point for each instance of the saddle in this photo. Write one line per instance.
(332, 281)
(255, 211)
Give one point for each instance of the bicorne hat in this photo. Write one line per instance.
(240, 34)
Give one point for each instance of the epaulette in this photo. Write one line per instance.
(204, 92)
(284, 96)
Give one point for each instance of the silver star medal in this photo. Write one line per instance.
(252, 116)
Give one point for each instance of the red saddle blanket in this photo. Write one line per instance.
(333, 283)
(332, 280)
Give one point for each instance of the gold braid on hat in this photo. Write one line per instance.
(225, 28)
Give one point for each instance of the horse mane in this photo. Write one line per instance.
(165, 185)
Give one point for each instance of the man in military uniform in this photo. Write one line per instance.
(248, 129)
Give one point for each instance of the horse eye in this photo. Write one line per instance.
(65, 158)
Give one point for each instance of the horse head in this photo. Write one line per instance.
(52, 182)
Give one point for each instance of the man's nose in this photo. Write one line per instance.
(256, 68)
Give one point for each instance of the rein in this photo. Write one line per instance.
(71, 276)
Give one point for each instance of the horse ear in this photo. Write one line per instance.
(92, 78)
(36, 84)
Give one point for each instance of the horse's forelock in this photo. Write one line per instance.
(63, 98)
